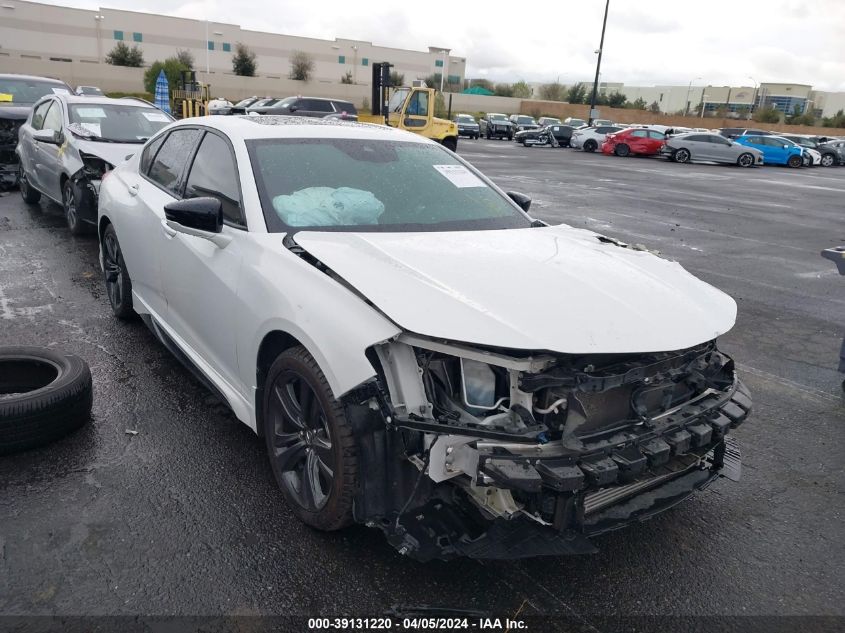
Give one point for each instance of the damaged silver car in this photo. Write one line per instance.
(69, 142)
(419, 354)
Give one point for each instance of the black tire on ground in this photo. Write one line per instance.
(29, 195)
(828, 160)
(590, 145)
(622, 150)
(450, 143)
(795, 161)
(116, 276)
(70, 203)
(309, 441)
(681, 155)
(488, 134)
(510, 137)
(44, 395)
(745, 160)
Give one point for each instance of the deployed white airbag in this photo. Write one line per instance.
(327, 206)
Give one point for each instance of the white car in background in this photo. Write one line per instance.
(590, 138)
(419, 354)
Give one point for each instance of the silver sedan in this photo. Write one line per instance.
(699, 146)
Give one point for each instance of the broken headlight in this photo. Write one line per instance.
(94, 166)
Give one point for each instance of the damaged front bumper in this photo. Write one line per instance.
(442, 487)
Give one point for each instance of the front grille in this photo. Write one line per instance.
(9, 131)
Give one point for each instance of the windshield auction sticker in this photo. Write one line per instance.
(459, 176)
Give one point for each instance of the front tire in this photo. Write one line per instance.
(681, 156)
(450, 143)
(795, 162)
(745, 160)
(828, 160)
(118, 282)
(622, 150)
(309, 442)
(29, 195)
(72, 212)
(590, 146)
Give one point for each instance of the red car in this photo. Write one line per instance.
(634, 141)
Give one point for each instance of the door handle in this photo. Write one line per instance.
(167, 230)
(133, 189)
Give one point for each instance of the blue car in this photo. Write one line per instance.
(776, 150)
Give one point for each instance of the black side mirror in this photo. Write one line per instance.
(203, 214)
(292, 108)
(523, 201)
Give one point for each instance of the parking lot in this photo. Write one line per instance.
(184, 517)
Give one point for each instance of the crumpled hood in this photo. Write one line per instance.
(556, 288)
(114, 153)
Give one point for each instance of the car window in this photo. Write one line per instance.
(214, 173)
(316, 105)
(639, 133)
(38, 114)
(116, 122)
(149, 153)
(376, 185)
(718, 140)
(657, 135)
(25, 91)
(418, 106)
(53, 118)
(698, 138)
(171, 158)
(345, 106)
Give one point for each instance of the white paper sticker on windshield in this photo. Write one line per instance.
(460, 176)
(94, 128)
(60, 91)
(90, 113)
(156, 116)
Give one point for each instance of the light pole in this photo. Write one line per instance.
(99, 18)
(445, 68)
(598, 64)
(754, 100)
(689, 87)
(355, 64)
(703, 103)
(207, 67)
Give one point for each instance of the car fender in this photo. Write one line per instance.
(281, 291)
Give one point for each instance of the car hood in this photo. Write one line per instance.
(114, 153)
(555, 288)
(15, 113)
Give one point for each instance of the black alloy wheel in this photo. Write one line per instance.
(622, 150)
(590, 146)
(71, 208)
(309, 441)
(745, 160)
(118, 283)
(681, 155)
(795, 161)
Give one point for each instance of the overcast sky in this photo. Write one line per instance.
(647, 42)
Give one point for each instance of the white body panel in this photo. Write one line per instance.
(555, 288)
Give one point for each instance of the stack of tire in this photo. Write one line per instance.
(44, 395)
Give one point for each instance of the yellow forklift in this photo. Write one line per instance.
(191, 96)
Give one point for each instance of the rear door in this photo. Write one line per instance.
(656, 141)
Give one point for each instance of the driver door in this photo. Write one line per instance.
(417, 114)
(48, 170)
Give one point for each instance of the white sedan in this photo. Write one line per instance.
(417, 352)
(590, 139)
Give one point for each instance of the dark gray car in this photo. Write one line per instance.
(698, 146)
(308, 106)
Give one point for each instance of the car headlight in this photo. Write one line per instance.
(94, 165)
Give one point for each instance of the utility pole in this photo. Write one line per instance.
(598, 65)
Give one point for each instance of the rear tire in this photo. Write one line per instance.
(450, 143)
(622, 150)
(681, 155)
(745, 160)
(309, 441)
(590, 146)
(29, 195)
(828, 160)
(795, 162)
(44, 395)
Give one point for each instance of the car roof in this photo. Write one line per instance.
(245, 127)
(96, 100)
(33, 77)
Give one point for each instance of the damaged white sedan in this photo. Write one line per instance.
(418, 353)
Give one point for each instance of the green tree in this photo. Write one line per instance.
(185, 57)
(503, 90)
(301, 66)
(397, 78)
(654, 107)
(616, 100)
(172, 70)
(803, 119)
(767, 115)
(576, 93)
(553, 91)
(521, 90)
(243, 61)
(433, 81)
(347, 78)
(837, 120)
(122, 55)
(638, 104)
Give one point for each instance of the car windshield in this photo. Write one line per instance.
(373, 185)
(264, 102)
(15, 91)
(525, 119)
(497, 117)
(116, 123)
(285, 103)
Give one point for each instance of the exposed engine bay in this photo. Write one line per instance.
(495, 454)
(9, 163)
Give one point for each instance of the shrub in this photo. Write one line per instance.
(301, 66)
(243, 61)
(122, 55)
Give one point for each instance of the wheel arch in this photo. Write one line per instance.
(274, 343)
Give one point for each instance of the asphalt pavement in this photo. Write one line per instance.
(184, 518)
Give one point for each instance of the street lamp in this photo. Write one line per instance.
(598, 64)
(689, 87)
(703, 103)
(99, 18)
(355, 64)
(754, 100)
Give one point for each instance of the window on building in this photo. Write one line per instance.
(438, 63)
(341, 59)
(137, 37)
(210, 45)
(365, 62)
(227, 48)
(118, 35)
(453, 79)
